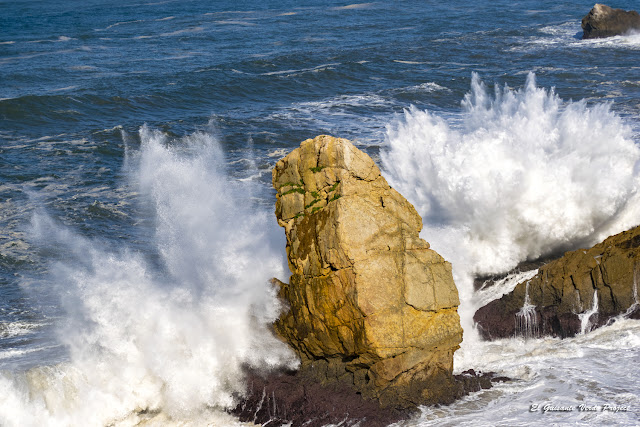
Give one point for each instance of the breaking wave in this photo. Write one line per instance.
(161, 341)
(519, 174)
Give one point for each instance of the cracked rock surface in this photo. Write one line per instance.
(370, 305)
(565, 288)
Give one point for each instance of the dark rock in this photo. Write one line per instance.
(566, 288)
(634, 312)
(603, 21)
(283, 398)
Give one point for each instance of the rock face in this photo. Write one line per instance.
(603, 21)
(295, 400)
(567, 291)
(371, 305)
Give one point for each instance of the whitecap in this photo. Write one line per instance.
(236, 22)
(302, 70)
(409, 62)
(354, 6)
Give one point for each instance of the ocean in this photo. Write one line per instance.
(136, 210)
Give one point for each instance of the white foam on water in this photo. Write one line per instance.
(550, 371)
(354, 6)
(569, 35)
(518, 175)
(163, 342)
(236, 22)
(14, 329)
(322, 67)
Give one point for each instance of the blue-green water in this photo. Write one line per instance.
(136, 147)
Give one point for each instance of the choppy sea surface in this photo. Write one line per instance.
(137, 232)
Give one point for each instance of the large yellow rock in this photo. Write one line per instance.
(370, 303)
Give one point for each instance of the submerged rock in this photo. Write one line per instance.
(604, 21)
(371, 306)
(580, 291)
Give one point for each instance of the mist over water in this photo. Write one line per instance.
(171, 338)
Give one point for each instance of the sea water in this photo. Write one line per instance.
(138, 235)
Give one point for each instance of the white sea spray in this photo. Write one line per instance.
(517, 175)
(163, 340)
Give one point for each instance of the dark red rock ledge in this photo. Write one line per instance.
(283, 398)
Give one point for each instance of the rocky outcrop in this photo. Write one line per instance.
(603, 21)
(294, 399)
(370, 305)
(582, 290)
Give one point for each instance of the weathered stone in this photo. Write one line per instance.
(294, 399)
(603, 21)
(565, 288)
(370, 303)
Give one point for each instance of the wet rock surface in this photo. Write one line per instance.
(293, 398)
(580, 291)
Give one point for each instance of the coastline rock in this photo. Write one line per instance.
(294, 399)
(371, 306)
(565, 293)
(604, 21)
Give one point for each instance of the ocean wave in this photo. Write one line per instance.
(354, 6)
(17, 353)
(236, 22)
(339, 115)
(569, 35)
(117, 24)
(168, 340)
(183, 31)
(294, 72)
(14, 329)
(515, 176)
(550, 371)
(35, 55)
(426, 87)
(410, 62)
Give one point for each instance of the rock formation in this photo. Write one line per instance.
(370, 305)
(582, 290)
(292, 399)
(603, 21)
